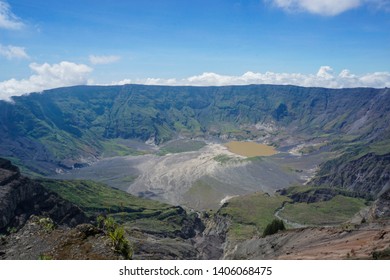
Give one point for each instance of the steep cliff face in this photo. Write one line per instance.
(367, 175)
(21, 197)
(211, 243)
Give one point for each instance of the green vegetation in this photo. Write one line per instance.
(381, 148)
(335, 211)
(181, 146)
(250, 214)
(131, 211)
(381, 255)
(254, 214)
(44, 257)
(116, 233)
(95, 197)
(223, 159)
(203, 195)
(47, 224)
(310, 193)
(23, 168)
(113, 147)
(273, 227)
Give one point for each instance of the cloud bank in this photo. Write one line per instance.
(325, 77)
(69, 74)
(328, 7)
(11, 52)
(7, 19)
(94, 59)
(46, 76)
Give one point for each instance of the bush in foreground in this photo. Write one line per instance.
(273, 227)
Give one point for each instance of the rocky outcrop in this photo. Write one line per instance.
(381, 207)
(368, 175)
(21, 197)
(35, 241)
(211, 243)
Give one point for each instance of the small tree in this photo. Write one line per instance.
(273, 227)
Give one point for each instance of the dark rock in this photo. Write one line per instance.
(21, 197)
(33, 241)
(368, 175)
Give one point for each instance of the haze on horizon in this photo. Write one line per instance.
(48, 44)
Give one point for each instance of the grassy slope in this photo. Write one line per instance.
(335, 211)
(95, 198)
(181, 146)
(250, 214)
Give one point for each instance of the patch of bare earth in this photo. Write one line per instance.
(318, 243)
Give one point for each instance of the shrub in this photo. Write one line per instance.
(273, 227)
(47, 224)
(381, 255)
(117, 235)
(45, 257)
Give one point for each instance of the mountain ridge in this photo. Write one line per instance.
(67, 126)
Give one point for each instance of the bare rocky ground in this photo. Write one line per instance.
(320, 243)
(200, 179)
(34, 241)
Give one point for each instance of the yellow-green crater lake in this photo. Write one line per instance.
(250, 149)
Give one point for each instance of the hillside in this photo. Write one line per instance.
(187, 196)
(35, 215)
(69, 127)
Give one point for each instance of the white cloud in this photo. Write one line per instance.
(11, 52)
(321, 7)
(68, 74)
(383, 5)
(325, 77)
(7, 19)
(46, 76)
(94, 59)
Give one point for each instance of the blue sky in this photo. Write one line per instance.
(331, 43)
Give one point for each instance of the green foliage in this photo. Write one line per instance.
(47, 224)
(381, 255)
(112, 148)
(67, 123)
(250, 214)
(109, 224)
(45, 257)
(203, 195)
(223, 159)
(335, 211)
(116, 233)
(181, 146)
(96, 198)
(380, 148)
(100, 221)
(273, 227)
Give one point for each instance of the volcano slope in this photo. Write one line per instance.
(168, 144)
(68, 128)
